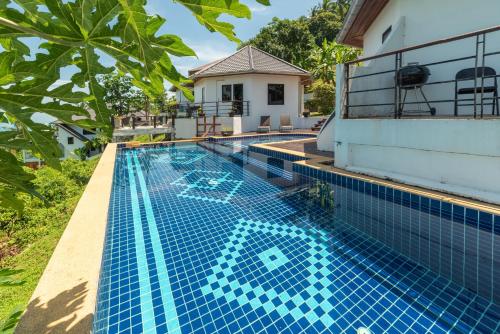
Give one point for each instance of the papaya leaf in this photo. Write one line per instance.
(75, 34)
(8, 324)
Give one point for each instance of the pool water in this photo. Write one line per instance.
(211, 238)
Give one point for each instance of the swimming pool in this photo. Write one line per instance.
(213, 238)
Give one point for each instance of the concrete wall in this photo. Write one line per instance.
(418, 22)
(185, 128)
(255, 91)
(307, 122)
(454, 155)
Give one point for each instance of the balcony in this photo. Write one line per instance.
(234, 108)
(451, 78)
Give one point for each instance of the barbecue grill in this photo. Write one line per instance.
(414, 77)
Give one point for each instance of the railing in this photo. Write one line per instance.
(153, 121)
(218, 109)
(463, 80)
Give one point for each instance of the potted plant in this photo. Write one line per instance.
(201, 113)
(227, 131)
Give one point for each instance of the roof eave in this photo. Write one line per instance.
(359, 19)
(201, 76)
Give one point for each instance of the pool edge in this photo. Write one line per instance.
(316, 162)
(65, 297)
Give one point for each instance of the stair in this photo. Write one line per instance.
(318, 125)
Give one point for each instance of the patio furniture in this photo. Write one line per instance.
(414, 77)
(285, 123)
(265, 124)
(479, 75)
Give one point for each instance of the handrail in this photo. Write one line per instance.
(425, 45)
(481, 93)
(330, 118)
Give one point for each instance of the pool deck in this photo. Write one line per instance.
(306, 146)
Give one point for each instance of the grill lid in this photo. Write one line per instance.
(413, 76)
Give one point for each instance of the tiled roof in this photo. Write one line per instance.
(248, 60)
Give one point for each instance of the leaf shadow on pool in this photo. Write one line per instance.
(58, 315)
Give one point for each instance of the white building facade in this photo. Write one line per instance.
(247, 85)
(376, 131)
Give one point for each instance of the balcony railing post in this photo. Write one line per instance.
(397, 91)
(482, 74)
(346, 90)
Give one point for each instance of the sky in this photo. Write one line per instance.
(208, 46)
(212, 46)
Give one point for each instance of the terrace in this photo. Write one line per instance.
(456, 77)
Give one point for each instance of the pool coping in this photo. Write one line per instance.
(69, 283)
(317, 162)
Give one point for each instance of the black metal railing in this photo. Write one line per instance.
(218, 109)
(463, 80)
(136, 121)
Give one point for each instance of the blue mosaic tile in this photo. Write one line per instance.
(214, 238)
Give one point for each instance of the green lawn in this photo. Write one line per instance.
(33, 235)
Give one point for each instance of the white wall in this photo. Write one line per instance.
(429, 20)
(418, 22)
(255, 91)
(185, 128)
(460, 156)
(68, 149)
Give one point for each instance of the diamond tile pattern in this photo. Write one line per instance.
(223, 244)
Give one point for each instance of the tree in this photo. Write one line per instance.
(324, 25)
(290, 40)
(323, 61)
(75, 33)
(119, 93)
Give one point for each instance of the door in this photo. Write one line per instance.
(238, 99)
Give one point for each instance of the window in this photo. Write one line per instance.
(386, 34)
(203, 94)
(71, 140)
(227, 94)
(275, 94)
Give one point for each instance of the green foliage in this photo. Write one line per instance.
(59, 188)
(8, 279)
(324, 25)
(287, 39)
(8, 324)
(324, 59)
(75, 33)
(323, 97)
(34, 233)
(148, 139)
(293, 40)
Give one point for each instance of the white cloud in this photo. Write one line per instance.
(206, 53)
(259, 9)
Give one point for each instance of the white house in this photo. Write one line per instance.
(384, 127)
(71, 137)
(251, 83)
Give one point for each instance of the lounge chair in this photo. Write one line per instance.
(285, 123)
(265, 124)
